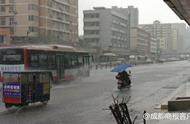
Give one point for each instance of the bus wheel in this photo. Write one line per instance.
(7, 105)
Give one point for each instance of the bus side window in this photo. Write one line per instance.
(80, 61)
(74, 61)
(68, 61)
(86, 60)
(34, 60)
(43, 60)
(51, 61)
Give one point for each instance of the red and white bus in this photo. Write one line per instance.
(65, 62)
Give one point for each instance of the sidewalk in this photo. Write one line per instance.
(178, 118)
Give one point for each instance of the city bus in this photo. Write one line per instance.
(64, 62)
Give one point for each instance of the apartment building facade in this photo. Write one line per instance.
(140, 41)
(153, 47)
(169, 34)
(106, 29)
(49, 20)
(133, 16)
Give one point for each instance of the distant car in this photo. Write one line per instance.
(161, 60)
(172, 59)
(149, 61)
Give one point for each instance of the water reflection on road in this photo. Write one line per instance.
(86, 101)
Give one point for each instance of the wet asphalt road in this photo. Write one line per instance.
(85, 101)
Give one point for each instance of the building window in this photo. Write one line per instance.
(32, 7)
(11, 1)
(91, 23)
(86, 32)
(2, 8)
(11, 20)
(92, 40)
(50, 3)
(2, 1)
(32, 18)
(2, 21)
(33, 29)
(91, 15)
(11, 9)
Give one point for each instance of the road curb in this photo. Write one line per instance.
(173, 95)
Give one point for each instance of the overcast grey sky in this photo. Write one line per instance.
(149, 10)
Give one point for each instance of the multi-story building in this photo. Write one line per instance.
(162, 44)
(169, 34)
(106, 29)
(50, 20)
(153, 47)
(140, 41)
(143, 44)
(133, 16)
(186, 40)
(179, 34)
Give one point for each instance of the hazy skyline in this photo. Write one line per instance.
(149, 10)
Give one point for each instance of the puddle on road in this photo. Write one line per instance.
(169, 87)
(2, 106)
(19, 110)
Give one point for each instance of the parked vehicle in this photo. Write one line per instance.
(22, 88)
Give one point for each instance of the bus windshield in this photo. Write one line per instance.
(11, 56)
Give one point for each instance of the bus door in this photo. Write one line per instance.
(60, 65)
